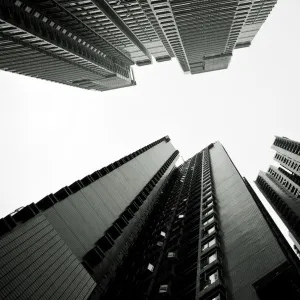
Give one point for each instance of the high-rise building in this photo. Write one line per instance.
(144, 228)
(92, 44)
(281, 185)
(46, 248)
(207, 239)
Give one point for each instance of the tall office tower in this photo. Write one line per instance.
(281, 186)
(207, 238)
(92, 44)
(143, 228)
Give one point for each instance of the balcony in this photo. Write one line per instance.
(210, 245)
(209, 289)
(214, 264)
(208, 233)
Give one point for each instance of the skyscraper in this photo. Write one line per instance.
(92, 44)
(143, 228)
(281, 186)
(46, 248)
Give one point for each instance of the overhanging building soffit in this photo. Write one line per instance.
(113, 17)
(50, 39)
(163, 13)
(65, 13)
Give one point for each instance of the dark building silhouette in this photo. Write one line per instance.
(281, 185)
(92, 44)
(144, 228)
(296, 245)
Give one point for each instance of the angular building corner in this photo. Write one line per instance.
(145, 229)
(92, 44)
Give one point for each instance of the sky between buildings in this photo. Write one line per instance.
(52, 135)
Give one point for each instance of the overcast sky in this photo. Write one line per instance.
(52, 135)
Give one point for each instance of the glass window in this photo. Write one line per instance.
(211, 230)
(209, 221)
(210, 204)
(206, 184)
(209, 244)
(209, 279)
(171, 254)
(28, 9)
(159, 243)
(150, 267)
(212, 258)
(208, 212)
(181, 216)
(162, 233)
(207, 189)
(205, 246)
(212, 242)
(18, 3)
(213, 277)
(209, 198)
(163, 288)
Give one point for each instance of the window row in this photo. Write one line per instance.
(208, 259)
(290, 186)
(287, 161)
(288, 145)
(58, 27)
(282, 207)
(208, 278)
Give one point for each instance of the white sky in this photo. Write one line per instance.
(52, 135)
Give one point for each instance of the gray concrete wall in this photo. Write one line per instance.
(82, 218)
(250, 248)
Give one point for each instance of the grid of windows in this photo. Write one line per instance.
(281, 186)
(91, 44)
(164, 16)
(204, 28)
(286, 181)
(209, 258)
(286, 206)
(175, 253)
(288, 145)
(34, 45)
(287, 162)
(135, 18)
(101, 18)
